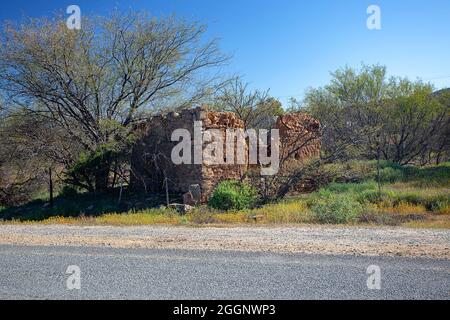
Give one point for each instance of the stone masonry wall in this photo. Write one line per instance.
(299, 136)
(213, 174)
(300, 139)
(151, 156)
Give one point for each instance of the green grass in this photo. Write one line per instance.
(82, 205)
(410, 196)
(361, 171)
(428, 187)
(283, 212)
(131, 218)
(338, 208)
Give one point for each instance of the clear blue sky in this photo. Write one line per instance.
(288, 46)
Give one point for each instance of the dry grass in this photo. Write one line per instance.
(293, 211)
(145, 217)
(411, 197)
(434, 222)
(404, 208)
(142, 218)
(279, 213)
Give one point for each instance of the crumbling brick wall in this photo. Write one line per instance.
(150, 160)
(151, 157)
(300, 139)
(213, 174)
(299, 136)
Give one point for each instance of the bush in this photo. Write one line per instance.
(391, 175)
(361, 171)
(350, 172)
(350, 187)
(68, 191)
(232, 195)
(429, 176)
(336, 208)
(432, 202)
(386, 197)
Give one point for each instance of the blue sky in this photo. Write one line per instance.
(288, 46)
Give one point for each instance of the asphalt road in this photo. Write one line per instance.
(107, 273)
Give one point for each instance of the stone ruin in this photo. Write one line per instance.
(154, 172)
(297, 135)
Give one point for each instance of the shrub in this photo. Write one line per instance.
(232, 195)
(360, 171)
(351, 187)
(336, 208)
(373, 196)
(429, 176)
(432, 202)
(68, 191)
(391, 175)
(351, 171)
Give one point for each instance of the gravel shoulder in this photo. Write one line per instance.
(360, 241)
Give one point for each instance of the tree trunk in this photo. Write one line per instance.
(50, 186)
(101, 180)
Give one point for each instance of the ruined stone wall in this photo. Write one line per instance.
(213, 174)
(151, 156)
(299, 136)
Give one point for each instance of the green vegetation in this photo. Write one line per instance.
(407, 194)
(381, 117)
(233, 195)
(70, 203)
(386, 138)
(360, 171)
(416, 197)
(336, 208)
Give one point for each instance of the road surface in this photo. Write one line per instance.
(39, 272)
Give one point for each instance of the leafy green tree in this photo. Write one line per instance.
(394, 119)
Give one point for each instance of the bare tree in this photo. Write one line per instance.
(113, 70)
(23, 166)
(304, 172)
(255, 108)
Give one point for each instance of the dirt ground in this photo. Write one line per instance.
(384, 241)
